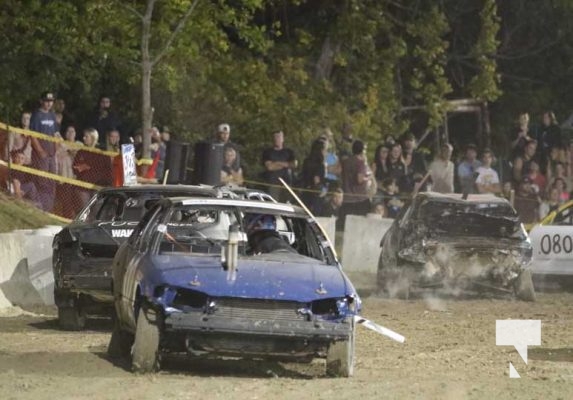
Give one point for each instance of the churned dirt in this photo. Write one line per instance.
(450, 353)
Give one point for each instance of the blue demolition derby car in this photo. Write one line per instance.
(236, 278)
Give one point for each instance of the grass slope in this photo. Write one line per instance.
(17, 214)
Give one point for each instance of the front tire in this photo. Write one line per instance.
(145, 351)
(340, 357)
(523, 286)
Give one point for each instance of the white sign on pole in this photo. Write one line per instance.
(128, 158)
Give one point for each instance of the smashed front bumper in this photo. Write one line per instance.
(327, 331)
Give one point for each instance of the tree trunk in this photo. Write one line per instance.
(146, 70)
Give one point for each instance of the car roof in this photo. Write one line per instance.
(250, 206)
(457, 197)
(249, 193)
(192, 189)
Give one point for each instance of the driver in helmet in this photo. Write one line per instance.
(263, 236)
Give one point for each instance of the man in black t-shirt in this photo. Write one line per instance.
(279, 162)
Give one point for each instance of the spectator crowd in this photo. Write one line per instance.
(334, 179)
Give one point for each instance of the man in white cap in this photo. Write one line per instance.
(222, 136)
(43, 120)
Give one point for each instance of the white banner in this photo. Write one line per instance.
(128, 158)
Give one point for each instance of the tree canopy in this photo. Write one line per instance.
(295, 65)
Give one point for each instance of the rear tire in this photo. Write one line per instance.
(340, 357)
(71, 318)
(523, 286)
(145, 351)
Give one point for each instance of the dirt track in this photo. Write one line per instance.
(450, 354)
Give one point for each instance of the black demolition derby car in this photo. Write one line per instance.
(231, 278)
(84, 249)
(446, 240)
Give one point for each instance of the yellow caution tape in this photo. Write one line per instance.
(54, 139)
(49, 175)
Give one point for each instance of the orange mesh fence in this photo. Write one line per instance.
(60, 183)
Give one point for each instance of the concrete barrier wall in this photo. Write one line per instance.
(361, 242)
(329, 225)
(26, 276)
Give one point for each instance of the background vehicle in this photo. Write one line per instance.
(552, 241)
(84, 249)
(175, 291)
(443, 240)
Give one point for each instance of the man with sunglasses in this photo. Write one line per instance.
(44, 121)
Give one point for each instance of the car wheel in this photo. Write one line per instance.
(71, 318)
(145, 351)
(120, 343)
(340, 357)
(523, 286)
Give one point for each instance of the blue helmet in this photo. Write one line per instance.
(260, 222)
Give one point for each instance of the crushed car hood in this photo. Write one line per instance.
(299, 279)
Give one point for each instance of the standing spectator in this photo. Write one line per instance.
(223, 136)
(165, 135)
(379, 166)
(21, 142)
(158, 154)
(549, 135)
(487, 180)
(390, 196)
(91, 166)
(332, 205)
(279, 162)
(522, 162)
(230, 175)
(22, 183)
(65, 153)
(395, 163)
(559, 174)
(105, 119)
(418, 163)
(538, 181)
(442, 170)
(112, 141)
(314, 175)
(526, 202)
(333, 167)
(467, 169)
(559, 184)
(521, 135)
(556, 155)
(44, 121)
(356, 180)
(551, 204)
(63, 117)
